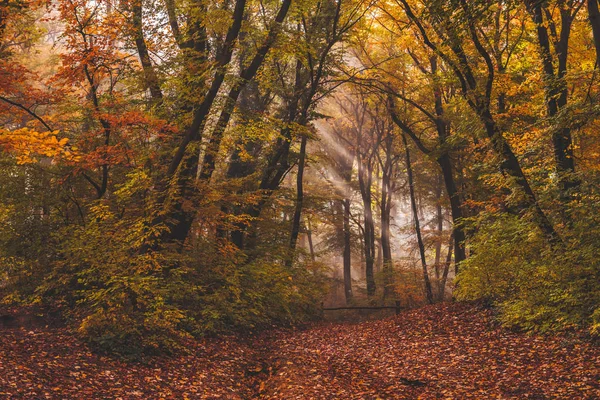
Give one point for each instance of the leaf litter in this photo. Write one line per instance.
(445, 351)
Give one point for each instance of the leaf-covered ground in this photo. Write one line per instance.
(450, 351)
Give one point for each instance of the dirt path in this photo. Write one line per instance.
(441, 352)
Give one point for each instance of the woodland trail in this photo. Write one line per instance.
(448, 351)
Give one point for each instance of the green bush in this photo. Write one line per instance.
(535, 286)
(126, 294)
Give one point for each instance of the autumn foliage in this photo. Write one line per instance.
(176, 169)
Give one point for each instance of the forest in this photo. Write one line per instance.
(230, 198)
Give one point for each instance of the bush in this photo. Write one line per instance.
(129, 295)
(535, 286)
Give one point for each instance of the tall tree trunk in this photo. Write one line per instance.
(556, 88)
(594, 16)
(185, 161)
(191, 163)
(251, 104)
(248, 73)
(299, 195)
(455, 210)
(307, 83)
(386, 197)
(150, 77)
(511, 166)
(346, 163)
(388, 272)
(444, 161)
(365, 176)
(223, 59)
(440, 227)
(311, 246)
(347, 252)
(442, 283)
(480, 104)
(379, 256)
(278, 161)
(413, 203)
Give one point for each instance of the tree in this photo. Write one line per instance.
(556, 87)
(413, 204)
(477, 97)
(388, 163)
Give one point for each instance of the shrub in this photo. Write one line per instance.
(535, 286)
(127, 294)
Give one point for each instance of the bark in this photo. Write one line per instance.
(442, 283)
(379, 257)
(345, 163)
(413, 203)
(311, 247)
(308, 80)
(446, 166)
(278, 160)
(556, 88)
(440, 228)
(107, 132)
(188, 165)
(192, 134)
(246, 75)
(365, 176)
(386, 206)
(150, 77)
(299, 195)
(173, 23)
(512, 167)
(251, 104)
(347, 252)
(455, 210)
(387, 256)
(314, 82)
(445, 163)
(444, 160)
(594, 17)
(481, 105)
(185, 161)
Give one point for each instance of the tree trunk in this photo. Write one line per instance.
(185, 161)
(346, 163)
(347, 253)
(365, 179)
(556, 90)
(388, 278)
(512, 167)
(192, 162)
(480, 104)
(277, 161)
(299, 195)
(150, 77)
(311, 246)
(445, 163)
(594, 16)
(442, 283)
(251, 104)
(413, 203)
(214, 143)
(455, 210)
(440, 228)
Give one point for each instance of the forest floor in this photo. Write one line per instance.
(447, 351)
